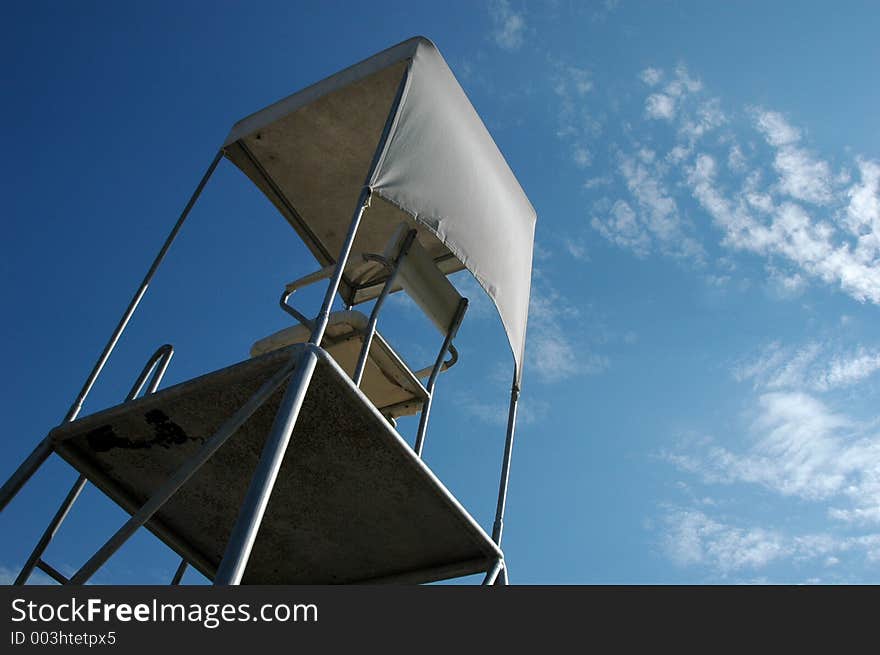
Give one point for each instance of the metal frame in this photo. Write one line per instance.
(158, 361)
(299, 368)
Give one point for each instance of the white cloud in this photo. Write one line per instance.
(791, 233)
(582, 157)
(576, 249)
(862, 215)
(693, 538)
(651, 76)
(621, 228)
(799, 448)
(660, 106)
(553, 354)
(658, 220)
(845, 371)
(509, 25)
(595, 182)
(736, 160)
(495, 413)
(801, 176)
(776, 129)
(576, 127)
(813, 367)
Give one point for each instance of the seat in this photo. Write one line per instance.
(387, 381)
(392, 387)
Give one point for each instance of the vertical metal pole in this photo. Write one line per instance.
(374, 315)
(241, 541)
(324, 315)
(178, 574)
(438, 364)
(44, 449)
(498, 527)
(49, 534)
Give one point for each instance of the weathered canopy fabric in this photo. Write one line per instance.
(312, 152)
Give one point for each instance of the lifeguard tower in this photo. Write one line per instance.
(287, 468)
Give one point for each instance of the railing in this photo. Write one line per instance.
(159, 361)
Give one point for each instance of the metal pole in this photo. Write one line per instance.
(493, 572)
(132, 306)
(44, 449)
(374, 315)
(49, 534)
(241, 541)
(498, 527)
(426, 410)
(178, 574)
(24, 472)
(324, 315)
(182, 474)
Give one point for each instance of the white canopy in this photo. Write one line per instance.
(440, 170)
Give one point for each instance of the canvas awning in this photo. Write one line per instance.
(312, 152)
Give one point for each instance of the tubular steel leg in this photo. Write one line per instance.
(374, 315)
(44, 449)
(24, 472)
(54, 524)
(493, 572)
(241, 541)
(324, 315)
(426, 410)
(178, 574)
(132, 306)
(181, 475)
(498, 527)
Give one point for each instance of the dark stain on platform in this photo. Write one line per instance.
(166, 434)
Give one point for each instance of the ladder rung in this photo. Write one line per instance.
(52, 572)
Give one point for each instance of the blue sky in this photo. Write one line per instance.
(701, 364)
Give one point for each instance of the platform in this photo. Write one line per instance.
(352, 502)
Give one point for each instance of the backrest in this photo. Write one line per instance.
(423, 281)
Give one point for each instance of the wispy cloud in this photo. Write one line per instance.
(801, 176)
(690, 537)
(509, 26)
(798, 447)
(529, 411)
(814, 367)
(774, 198)
(655, 220)
(664, 104)
(651, 76)
(557, 349)
(576, 127)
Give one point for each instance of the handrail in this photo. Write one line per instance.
(448, 364)
(159, 361)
